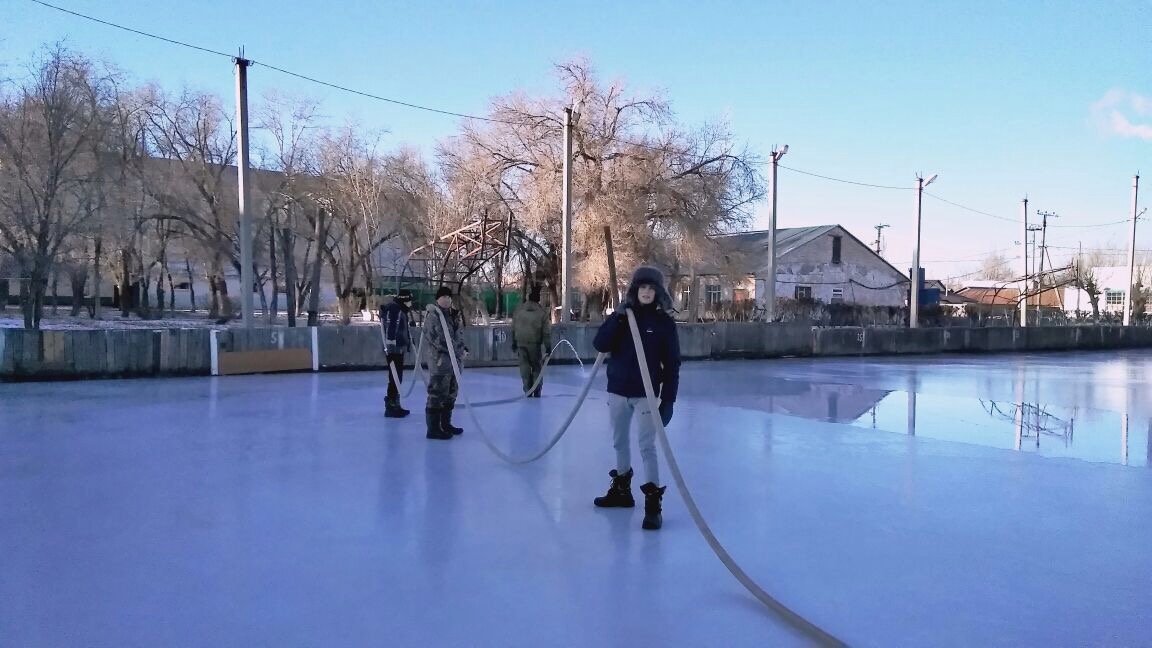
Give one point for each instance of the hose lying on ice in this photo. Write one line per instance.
(810, 629)
(480, 428)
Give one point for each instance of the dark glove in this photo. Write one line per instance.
(666, 412)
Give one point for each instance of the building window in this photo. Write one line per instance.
(836, 249)
(837, 295)
(803, 293)
(1114, 297)
(685, 296)
(712, 295)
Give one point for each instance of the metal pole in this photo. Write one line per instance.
(1024, 277)
(246, 278)
(566, 223)
(770, 280)
(914, 290)
(1131, 254)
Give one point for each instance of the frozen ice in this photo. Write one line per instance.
(938, 500)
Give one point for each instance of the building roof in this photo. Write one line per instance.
(787, 239)
(752, 246)
(999, 293)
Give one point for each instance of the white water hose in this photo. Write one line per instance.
(805, 626)
(419, 377)
(800, 623)
(472, 414)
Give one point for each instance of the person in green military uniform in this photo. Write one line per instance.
(531, 331)
(442, 385)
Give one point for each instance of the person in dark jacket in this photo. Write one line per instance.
(531, 331)
(651, 304)
(442, 386)
(395, 325)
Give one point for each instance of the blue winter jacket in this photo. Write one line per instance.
(661, 348)
(394, 319)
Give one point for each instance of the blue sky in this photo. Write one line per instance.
(1048, 99)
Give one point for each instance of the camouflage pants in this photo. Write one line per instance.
(442, 391)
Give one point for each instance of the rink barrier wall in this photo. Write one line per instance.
(52, 355)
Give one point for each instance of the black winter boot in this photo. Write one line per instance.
(446, 422)
(652, 496)
(392, 409)
(536, 392)
(432, 416)
(619, 493)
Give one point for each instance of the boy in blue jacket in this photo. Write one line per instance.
(651, 304)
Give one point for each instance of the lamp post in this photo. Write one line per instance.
(914, 292)
(770, 283)
(1132, 254)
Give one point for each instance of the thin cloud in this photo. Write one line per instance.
(1123, 113)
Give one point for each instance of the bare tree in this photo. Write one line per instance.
(51, 126)
(1084, 278)
(371, 198)
(193, 181)
(663, 190)
(995, 267)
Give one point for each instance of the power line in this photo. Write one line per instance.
(440, 111)
(851, 182)
(1017, 220)
(378, 97)
(272, 67)
(974, 211)
(1126, 220)
(134, 31)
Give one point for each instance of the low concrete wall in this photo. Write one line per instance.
(44, 355)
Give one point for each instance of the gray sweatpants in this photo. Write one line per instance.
(620, 410)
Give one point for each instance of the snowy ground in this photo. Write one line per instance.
(284, 510)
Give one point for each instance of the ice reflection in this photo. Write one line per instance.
(1053, 405)
(1072, 431)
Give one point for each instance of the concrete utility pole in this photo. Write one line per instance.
(1043, 253)
(878, 229)
(1024, 277)
(914, 290)
(770, 280)
(246, 278)
(1132, 253)
(566, 223)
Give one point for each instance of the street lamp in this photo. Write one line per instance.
(914, 292)
(770, 283)
(1132, 253)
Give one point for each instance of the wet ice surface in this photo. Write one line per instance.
(284, 510)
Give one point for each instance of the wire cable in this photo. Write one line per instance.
(851, 182)
(134, 31)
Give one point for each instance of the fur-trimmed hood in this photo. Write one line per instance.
(653, 277)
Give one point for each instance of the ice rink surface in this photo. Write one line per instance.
(934, 501)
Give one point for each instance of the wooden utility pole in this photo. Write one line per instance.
(614, 287)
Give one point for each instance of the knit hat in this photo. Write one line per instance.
(443, 291)
(404, 295)
(653, 277)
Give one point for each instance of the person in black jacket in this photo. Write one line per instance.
(394, 323)
(651, 304)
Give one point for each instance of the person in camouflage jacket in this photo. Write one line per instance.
(442, 385)
(531, 332)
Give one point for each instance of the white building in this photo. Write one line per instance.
(1113, 284)
(824, 263)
